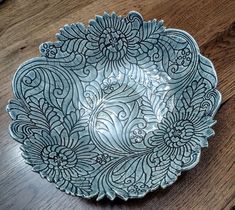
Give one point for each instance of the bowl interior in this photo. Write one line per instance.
(117, 108)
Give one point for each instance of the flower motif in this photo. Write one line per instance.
(112, 42)
(48, 50)
(137, 135)
(180, 133)
(59, 157)
(184, 57)
(115, 108)
(139, 188)
(109, 84)
(102, 158)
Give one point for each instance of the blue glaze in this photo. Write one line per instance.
(117, 108)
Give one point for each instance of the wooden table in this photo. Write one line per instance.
(24, 24)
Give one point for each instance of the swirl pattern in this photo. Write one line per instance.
(118, 108)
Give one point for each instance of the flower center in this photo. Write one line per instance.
(184, 57)
(57, 159)
(109, 84)
(137, 135)
(179, 133)
(113, 44)
(57, 156)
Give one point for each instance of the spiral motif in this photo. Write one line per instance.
(117, 108)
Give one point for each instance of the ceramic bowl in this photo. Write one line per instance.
(116, 108)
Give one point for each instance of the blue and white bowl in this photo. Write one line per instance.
(116, 108)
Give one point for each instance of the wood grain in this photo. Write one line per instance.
(27, 23)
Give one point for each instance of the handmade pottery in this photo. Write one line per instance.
(116, 108)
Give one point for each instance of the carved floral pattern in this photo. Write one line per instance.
(117, 108)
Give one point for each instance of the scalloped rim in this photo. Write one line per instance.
(150, 189)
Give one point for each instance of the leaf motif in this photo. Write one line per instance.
(110, 130)
(206, 70)
(153, 107)
(166, 172)
(17, 110)
(149, 34)
(129, 91)
(70, 112)
(78, 186)
(132, 167)
(139, 75)
(76, 121)
(170, 43)
(42, 114)
(193, 94)
(21, 127)
(144, 76)
(72, 38)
